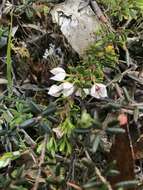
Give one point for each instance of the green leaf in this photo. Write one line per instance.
(8, 157)
(90, 185)
(67, 127)
(29, 122)
(34, 107)
(69, 148)
(62, 146)
(127, 184)
(96, 143)
(86, 120)
(52, 146)
(8, 59)
(49, 110)
(115, 130)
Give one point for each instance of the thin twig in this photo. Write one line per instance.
(103, 180)
(101, 16)
(1, 7)
(42, 157)
(98, 173)
(27, 138)
(119, 78)
(131, 145)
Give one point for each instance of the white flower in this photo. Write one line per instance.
(78, 92)
(59, 133)
(86, 91)
(57, 70)
(98, 91)
(49, 52)
(59, 74)
(81, 92)
(68, 89)
(55, 90)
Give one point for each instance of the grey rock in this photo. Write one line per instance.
(78, 23)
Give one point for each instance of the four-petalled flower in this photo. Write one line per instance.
(98, 91)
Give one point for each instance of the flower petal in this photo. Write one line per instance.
(59, 77)
(68, 89)
(98, 91)
(59, 74)
(55, 90)
(78, 92)
(57, 70)
(86, 91)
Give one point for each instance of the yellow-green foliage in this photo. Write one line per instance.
(123, 9)
(100, 55)
(8, 59)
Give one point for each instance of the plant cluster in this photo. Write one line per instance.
(65, 142)
(123, 10)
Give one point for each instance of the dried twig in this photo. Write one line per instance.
(131, 143)
(103, 180)
(98, 173)
(42, 157)
(96, 9)
(1, 7)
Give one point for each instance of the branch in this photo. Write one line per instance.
(42, 157)
(103, 180)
